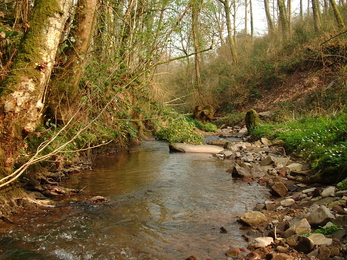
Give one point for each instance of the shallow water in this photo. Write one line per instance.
(162, 205)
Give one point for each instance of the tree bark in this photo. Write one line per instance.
(337, 14)
(22, 99)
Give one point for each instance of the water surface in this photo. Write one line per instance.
(162, 205)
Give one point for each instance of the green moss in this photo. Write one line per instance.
(252, 119)
(32, 44)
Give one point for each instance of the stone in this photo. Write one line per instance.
(193, 257)
(328, 192)
(320, 216)
(323, 253)
(280, 189)
(280, 161)
(282, 249)
(239, 171)
(265, 141)
(304, 245)
(287, 202)
(294, 167)
(233, 252)
(298, 228)
(262, 242)
(320, 239)
(266, 161)
(253, 218)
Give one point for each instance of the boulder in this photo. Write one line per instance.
(253, 218)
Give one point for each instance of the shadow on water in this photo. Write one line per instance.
(161, 206)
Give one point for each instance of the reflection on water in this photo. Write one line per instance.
(162, 206)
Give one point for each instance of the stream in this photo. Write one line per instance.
(161, 205)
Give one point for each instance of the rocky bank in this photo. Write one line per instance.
(300, 221)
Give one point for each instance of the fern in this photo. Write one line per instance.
(342, 185)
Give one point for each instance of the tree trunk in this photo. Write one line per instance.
(246, 17)
(231, 42)
(24, 91)
(270, 25)
(283, 19)
(316, 15)
(196, 4)
(337, 14)
(80, 38)
(251, 18)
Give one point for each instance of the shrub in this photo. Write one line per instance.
(180, 130)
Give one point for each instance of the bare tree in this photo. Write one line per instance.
(270, 24)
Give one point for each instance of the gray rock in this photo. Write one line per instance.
(299, 227)
(320, 216)
(287, 202)
(320, 239)
(295, 167)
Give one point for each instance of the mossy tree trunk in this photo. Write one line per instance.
(23, 93)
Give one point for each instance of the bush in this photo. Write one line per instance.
(180, 130)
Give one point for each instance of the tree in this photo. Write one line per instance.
(22, 99)
(227, 9)
(270, 25)
(316, 15)
(337, 14)
(66, 86)
(283, 19)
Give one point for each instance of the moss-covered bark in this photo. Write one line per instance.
(21, 101)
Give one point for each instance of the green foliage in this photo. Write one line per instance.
(324, 230)
(321, 140)
(180, 130)
(206, 127)
(342, 185)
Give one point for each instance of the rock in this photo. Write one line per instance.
(320, 239)
(282, 249)
(253, 218)
(320, 216)
(191, 148)
(98, 200)
(280, 189)
(323, 253)
(219, 142)
(266, 161)
(287, 202)
(233, 252)
(280, 161)
(239, 172)
(262, 242)
(265, 141)
(299, 227)
(304, 244)
(295, 167)
(329, 191)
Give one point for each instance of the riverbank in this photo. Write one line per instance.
(301, 221)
